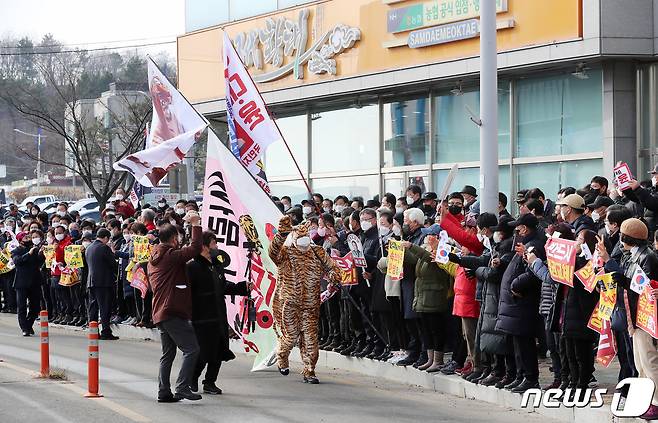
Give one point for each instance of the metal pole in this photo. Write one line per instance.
(39, 158)
(488, 108)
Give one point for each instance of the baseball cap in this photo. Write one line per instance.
(528, 219)
(574, 201)
(601, 201)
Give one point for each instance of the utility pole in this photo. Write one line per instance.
(488, 108)
(38, 136)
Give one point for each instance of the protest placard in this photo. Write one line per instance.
(356, 248)
(646, 312)
(395, 260)
(561, 259)
(623, 176)
(141, 249)
(73, 256)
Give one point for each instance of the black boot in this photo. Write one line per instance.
(505, 381)
(366, 350)
(422, 359)
(525, 385)
(409, 359)
(514, 384)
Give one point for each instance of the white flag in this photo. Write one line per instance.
(640, 280)
(172, 114)
(251, 130)
(174, 127)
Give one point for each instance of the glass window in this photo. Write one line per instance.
(204, 13)
(406, 132)
(470, 176)
(550, 177)
(241, 9)
(364, 186)
(559, 115)
(457, 138)
(277, 158)
(346, 139)
(296, 190)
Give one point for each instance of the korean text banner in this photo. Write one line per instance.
(561, 258)
(251, 129)
(237, 209)
(395, 260)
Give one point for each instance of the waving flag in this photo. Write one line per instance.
(174, 128)
(242, 216)
(251, 130)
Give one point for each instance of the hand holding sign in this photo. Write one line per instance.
(623, 176)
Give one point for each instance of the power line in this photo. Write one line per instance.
(37, 53)
(87, 44)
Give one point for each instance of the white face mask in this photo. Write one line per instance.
(399, 210)
(180, 212)
(55, 224)
(36, 241)
(307, 210)
(50, 240)
(59, 237)
(327, 209)
(497, 237)
(410, 200)
(339, 209)
(61, 213)
(86, 232)
(595, 216)
(161, 205)
(322, 231)
(126, 237)
(365, 225)
(563, 214)
(304, 243)
(397, 230)
(383, 231)
(86, 244)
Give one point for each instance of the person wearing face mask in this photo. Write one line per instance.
(518, 310)
(598, 210)
(62, 293)
(27, 281)
(308, 209)
(413, 222)
(413, 197)
(327, 206)
(572, 209)
(74, 231)
(172, 307)
(340, 204)
(162, 205)
(429, 205)
(62, 210)
(128, 313)
(148, 219)
(180, 208)
(296, 303)
(371, 284)
(209, 311)
(287, 203)
(469, 194)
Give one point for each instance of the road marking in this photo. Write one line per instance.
(35, 406)
(111, 405)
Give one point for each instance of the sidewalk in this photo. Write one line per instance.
(453, 385)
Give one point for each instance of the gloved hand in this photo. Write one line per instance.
(285, 225)
(454, 258)
(469, 272)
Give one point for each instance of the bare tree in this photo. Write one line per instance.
(51, 100)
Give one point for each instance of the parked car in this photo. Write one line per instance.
(84, 205)
(36, 199)
(49, 208)
(94, 215)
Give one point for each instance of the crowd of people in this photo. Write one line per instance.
(493, 305)
(189, 316)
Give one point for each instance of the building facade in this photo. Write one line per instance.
(372, 95)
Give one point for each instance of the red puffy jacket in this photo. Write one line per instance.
(452, 225)
(465, 304)
(59, 254)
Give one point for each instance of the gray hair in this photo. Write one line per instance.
(415, 215)
(369, 212)
(148, 214)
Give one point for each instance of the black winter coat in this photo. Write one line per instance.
(209, 286)
(28, 268)
(407, 284)
(372, 250)
(519, 315)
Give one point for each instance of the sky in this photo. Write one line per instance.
(94, 23)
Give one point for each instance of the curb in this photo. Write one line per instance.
(451, 385)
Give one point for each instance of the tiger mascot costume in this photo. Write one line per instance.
(296, 303)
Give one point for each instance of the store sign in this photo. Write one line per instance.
(444, 34)
(436, 12)
(283, 38)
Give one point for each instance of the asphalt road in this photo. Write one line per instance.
(128, 381)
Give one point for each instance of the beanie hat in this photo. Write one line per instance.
(635, 228)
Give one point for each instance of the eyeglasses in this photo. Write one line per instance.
(455, 204)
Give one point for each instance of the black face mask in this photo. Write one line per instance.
(454, 210)
(406, 230)
(428, 209)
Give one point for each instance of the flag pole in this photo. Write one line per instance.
(308, 187)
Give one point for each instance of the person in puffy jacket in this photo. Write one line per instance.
(518, 309)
